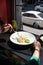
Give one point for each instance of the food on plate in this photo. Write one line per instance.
(22, 39)
(41, 38)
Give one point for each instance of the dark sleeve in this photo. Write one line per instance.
(7, 60)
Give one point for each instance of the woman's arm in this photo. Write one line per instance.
(35, 59)
(37, 49)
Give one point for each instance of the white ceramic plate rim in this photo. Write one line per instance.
(31, 37)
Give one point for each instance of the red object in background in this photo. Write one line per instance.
(3, 10)
(10, 9)
(6, 10)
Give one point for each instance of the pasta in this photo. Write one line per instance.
(22, 39)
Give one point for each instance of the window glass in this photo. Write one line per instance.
(41, 5)
(41, 15)
(29, 15)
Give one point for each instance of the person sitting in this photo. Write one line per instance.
(34, 60)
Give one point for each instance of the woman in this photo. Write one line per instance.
(34, 60)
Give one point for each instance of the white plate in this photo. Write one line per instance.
(30, 36)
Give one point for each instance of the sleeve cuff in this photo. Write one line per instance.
(35, 59)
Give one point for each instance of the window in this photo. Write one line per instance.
(41, 5)
(41, 15)
(29, 15)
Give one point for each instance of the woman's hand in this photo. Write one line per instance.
(37, 45)
(7, 27)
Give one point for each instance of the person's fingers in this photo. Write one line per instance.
(10, 25)
(37, 44)
(6, 27)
